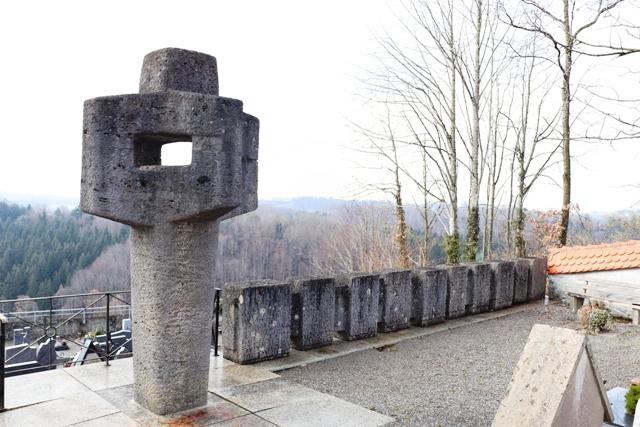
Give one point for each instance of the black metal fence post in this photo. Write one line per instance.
(3, 339)
(216, 308)
(108, 340)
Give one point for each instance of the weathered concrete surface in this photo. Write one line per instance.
(313, 302)
(394, 302)
(173, 210)
(356, 312)
(429, 296)
(257, 321)
(502, 280)
(537, 285)
(478, 287)
(556, 383)
(457, 284)
(520, 280)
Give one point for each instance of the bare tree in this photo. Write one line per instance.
(564, 25)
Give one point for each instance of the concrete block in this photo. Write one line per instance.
(257, 321)
(356, 312)
(312, 311)
(521, 280)
(394, 301)
(502, 280)
(537, 283)
(457, 284)
(429, 296)
(556, 383)
(478, 287)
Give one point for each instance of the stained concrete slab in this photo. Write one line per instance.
(216, 410)
(268, 394)
(236, 375)
(40, 387)
(99, 376)
(62, 412)
(323, 411)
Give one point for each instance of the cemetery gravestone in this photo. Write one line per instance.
(173, 211)
(537, 282)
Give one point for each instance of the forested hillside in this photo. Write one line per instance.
(40, 251)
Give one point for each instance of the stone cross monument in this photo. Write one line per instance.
(173, 211)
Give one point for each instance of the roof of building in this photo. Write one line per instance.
(608, 256)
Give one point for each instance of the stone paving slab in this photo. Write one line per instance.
(81, 407)
(323, 411)
(235, 375)
(268, 394)
(119, 419)
(99, 376)
(39, 387)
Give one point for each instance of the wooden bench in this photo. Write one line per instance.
(621, 293)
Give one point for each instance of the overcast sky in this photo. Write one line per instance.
(291, 63)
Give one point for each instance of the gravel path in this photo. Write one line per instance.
(458, 377)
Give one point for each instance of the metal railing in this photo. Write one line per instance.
(50, 330)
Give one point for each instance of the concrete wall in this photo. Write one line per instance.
(560, 284)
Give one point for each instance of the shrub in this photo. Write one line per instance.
(631, 398)
(583, 314)
(599, 319)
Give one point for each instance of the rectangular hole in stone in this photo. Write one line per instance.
(148, 150)
(176, 154)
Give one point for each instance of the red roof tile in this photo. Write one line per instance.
(608, 256)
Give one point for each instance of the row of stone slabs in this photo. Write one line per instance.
(262, 319)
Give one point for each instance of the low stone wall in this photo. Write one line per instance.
(263, 319)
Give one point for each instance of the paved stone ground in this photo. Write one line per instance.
(458, 377)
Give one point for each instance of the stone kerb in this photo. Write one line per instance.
(478, 287)
(312, 311)
(174, 211)
(257, 321)
(502, 279)
(356, 309)
(429, 296)
(457, 283)
(394, 303)
(521, 280)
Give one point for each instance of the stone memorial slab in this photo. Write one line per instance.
(257, 321)
(556, 383)
(46, 354)
(502, 280)
(19, 354)
(174, 211)
(478, 287)
(356, 312)
(394, 301)
(457, 284)
(521, 280)
(537, 283)
(429, 296)
(313, 301)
